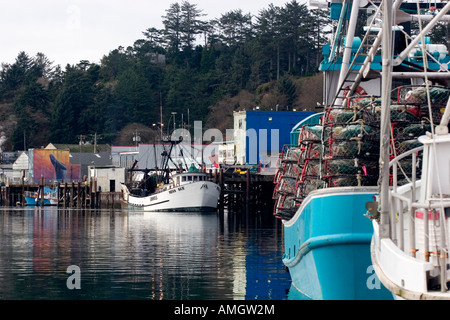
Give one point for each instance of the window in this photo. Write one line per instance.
(184, 179)
(189, 178)
(195, 178)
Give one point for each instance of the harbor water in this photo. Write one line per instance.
(55, 254)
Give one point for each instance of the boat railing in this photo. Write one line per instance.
(417, 226)
(400, 203)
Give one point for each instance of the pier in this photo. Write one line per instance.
(70, 195)
(243, 188)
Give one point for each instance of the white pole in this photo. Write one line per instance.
(386, 84)
(348, 44)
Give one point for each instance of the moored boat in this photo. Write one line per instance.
(186, 192)
(327, 246)
(176, 190)
(33, 198)
(410, 215)
(323, 180)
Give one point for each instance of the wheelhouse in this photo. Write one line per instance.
(186, 178)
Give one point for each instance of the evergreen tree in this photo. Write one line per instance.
(32, 111)
(76, 95)
(190, 25)
(234, 27)
(172, 31)
(268, 27)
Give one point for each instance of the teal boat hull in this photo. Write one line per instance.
(327, 247)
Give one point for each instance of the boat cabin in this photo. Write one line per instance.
(189, 177)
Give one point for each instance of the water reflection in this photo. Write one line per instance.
(128, 255)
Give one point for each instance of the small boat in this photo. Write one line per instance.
(176, 191)
(410, 215)
(33, 198)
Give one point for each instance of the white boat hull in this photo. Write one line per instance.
(196, 196)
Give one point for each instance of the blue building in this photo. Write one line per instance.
(260, 135)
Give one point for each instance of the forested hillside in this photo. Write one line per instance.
(202, 70)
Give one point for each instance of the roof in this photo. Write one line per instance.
(76, 148)
(98, 159)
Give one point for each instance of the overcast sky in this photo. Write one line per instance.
(70, 31)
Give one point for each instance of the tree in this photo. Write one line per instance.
(172, 25)
(318, 25)
(268, 29)
(154, 37)
(190, 24)
(182, 25)
(43, 65)
(75, 96)
(32, 112)
(234, 27)
(136, 98)
(114, 63)
(16, 75)
(287, 87)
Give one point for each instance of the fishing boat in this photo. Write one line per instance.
(180, 190)
(33, 198)
(410, 214)
(325, 179)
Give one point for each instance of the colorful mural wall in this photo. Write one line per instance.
(52, 165)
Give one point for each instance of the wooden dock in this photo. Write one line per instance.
(70, 195)
(243, 188)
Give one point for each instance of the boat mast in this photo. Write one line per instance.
(386, 84)
(348, 44)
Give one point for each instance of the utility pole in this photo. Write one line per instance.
(95, 142)
(81, 137)
(174, 115)
(160, 113)
(136, 138)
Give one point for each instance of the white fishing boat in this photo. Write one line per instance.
(186, 192)
(165, 190)
(410, 215)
